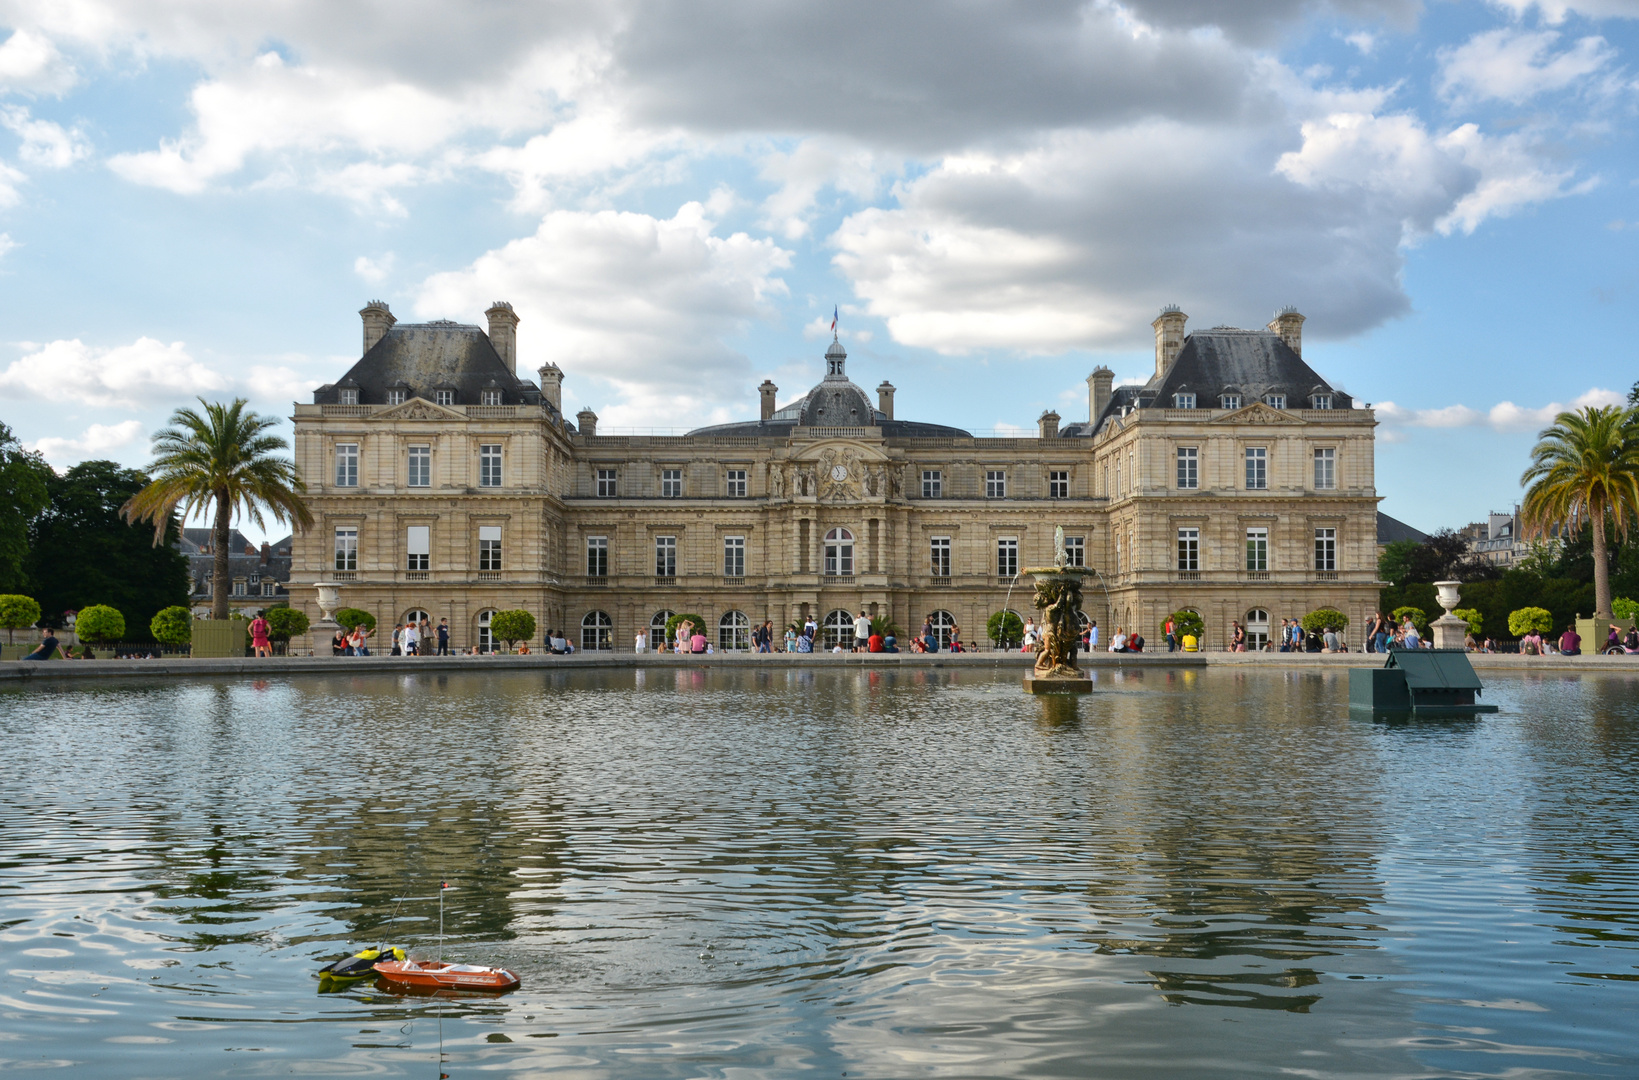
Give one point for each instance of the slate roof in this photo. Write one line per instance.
(1391, 529)
(244, 559)
(420, 358)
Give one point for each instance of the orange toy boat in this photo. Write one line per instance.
(434, 974)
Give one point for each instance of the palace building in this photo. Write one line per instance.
(1236, 482)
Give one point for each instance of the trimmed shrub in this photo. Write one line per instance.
(1526, 619)
(100, 624)
(1184, 622)
(512, 626)
(284, 623)
(1005, 629)
(1323, 619)
(349, 617)
(1419, 618)
(699, 621)
(172, 625)
(18, 613)
(1472, 617)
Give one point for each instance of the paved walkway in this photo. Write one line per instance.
(75, 670)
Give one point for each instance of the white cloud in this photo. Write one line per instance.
(1504, 416)
(144, 372)
(815, 164)
(30, 62)
(374, 271)
(1555, 11)
(9, 179)
(6, 244)
(277, 385)
(1515, 65)
(98, 439)
(641, 303)
(1365, 42)
(45, 143)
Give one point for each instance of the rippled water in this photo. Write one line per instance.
(740, 874)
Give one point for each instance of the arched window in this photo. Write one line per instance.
(486, 643)
(943, 622)
(657, 630)
(733, 632)
(597, 632)
(839, 553)
(1257, 629)
(416, 615)
(838, 629)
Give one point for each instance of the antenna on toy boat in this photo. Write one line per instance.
(442, 885)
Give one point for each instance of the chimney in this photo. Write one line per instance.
(884, 399)
(1047, 426)
(377, 321)
(1169, 337)
(768, 390)
(267, 552)
(587, 421)
(1289, 325)
(552, 385)
(1098, 392)
(503, 333)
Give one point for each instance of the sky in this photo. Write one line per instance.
(196, 198)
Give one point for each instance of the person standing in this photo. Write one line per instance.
(1170, 632)
(443, 637)
(640, 643)
(1237, 637)
(1092, 635)
(258, 637)
(411, 638)
(862, 632)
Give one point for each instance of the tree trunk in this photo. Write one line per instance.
(1601, 573)
(222, 581)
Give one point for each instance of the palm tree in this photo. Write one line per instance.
(225, 457)
(1586, 466)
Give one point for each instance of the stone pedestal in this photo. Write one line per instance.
(320, 634)
(1450, 632)
(1060, 685)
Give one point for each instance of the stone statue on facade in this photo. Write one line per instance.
(776, 481)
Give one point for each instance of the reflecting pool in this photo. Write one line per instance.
(732, 873)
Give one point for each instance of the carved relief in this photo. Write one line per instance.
(842, 475)
(416, 409)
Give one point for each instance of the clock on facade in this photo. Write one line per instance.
(839, 472)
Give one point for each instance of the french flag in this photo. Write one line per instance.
(834, 321)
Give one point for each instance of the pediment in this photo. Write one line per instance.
(1259, 413)
(830, 448)
(418, 408)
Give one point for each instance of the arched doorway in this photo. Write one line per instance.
(657, 630)
(597, 632)
(486, 642)
(837, 629)
(734, 632)
(943, 623)
(1257, 629)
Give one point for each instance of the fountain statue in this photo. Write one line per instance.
(1058, 597)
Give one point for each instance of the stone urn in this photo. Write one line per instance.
(1450, 632)
(329, 599)
(1058, 598)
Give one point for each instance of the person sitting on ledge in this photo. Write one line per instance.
(47, 647)
(1570, 642)
(1118, 641)
(874, 642)
(890, 644)
(1135, 642)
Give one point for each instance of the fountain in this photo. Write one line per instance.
(1058, 598)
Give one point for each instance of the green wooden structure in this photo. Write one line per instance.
(1418, 680)
(219, 638)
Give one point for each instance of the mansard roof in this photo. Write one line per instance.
(422, 357)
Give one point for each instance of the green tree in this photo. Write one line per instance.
(1394, 564)
(284, 623)
(349, 617)
(512, 626)
(1323, 619)
(1472, 617)
(1006, 629)
(673, 622)
(1526, 619)
(100, 624)
(1585, 467)
(82, 552)
(17, 613)
(224, 460)
(1419, 617)
(1621, 607)
(1185, 622)
(23, 495)
(172, 625)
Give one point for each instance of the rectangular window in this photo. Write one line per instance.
(1257, 548)
(1257, 468)
(1325, 469)
(1321, 401)
(606, 483)
(1058, 485)
(417, 547)
(347, 464)
(421, 466)
(597, 556)
(395, 397)
(239, 587)
(350, 396)
(671, 483)
(489, 547)
(933, 484)
(665, 556)
(940, 546)
(1189, 549)
(1189, 467)
(347, 548)
(734, 556)
(1325, 549)
(1007, 557)
(1075, 547)
(489, 465)
(736, 483)
(995, 484)
(1230, 401)
(489, 397)
(1275, 401)
(1183, 401)
(267, 588)
(444, 397)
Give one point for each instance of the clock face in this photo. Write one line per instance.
(839, 472)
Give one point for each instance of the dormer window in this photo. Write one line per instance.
(1229, 401)
(444, 397)
(395, 397)
(489, 397)
(1321, 401)
(349, 396)
(1183, 401)
(1275, 401)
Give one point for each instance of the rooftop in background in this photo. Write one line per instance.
(1390, 530)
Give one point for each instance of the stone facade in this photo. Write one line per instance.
(440, 482)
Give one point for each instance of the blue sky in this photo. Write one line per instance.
(196, 199)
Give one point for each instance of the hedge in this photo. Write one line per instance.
(100, 624)
(172, 625)
(284, 623)
(1526, 619)
(18, 613)
(1323, 619)
(349, 617)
